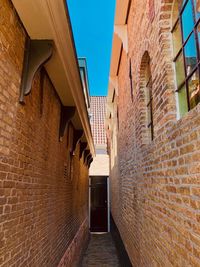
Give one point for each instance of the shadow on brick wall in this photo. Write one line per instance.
(122, 254)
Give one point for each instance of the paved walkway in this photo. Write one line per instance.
(101, 252)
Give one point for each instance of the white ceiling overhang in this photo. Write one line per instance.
(116, 54)
(120, 43)
(122, 7)
(49, 19)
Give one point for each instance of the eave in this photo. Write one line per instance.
(120, 44)
(120, 36)
(49, 20)
(122, 9)
(116, 54)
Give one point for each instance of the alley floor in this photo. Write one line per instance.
(101, 252)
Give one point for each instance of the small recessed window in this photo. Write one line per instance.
(149, 102)
(186, 37)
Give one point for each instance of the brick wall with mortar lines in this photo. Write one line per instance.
(158, 213)
(41, 209)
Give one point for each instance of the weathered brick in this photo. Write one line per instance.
(154, 184)
(43, 205)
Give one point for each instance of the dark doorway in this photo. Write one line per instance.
(98, 204)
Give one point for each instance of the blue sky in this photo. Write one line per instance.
(92, 23)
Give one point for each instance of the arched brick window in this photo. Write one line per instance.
(186, 37)
(147, 99)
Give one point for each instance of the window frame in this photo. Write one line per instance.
(149, 106)
(194, 31)
(131, 78)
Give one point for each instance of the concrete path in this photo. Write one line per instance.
(101, 252)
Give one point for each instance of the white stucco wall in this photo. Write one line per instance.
(100, 165)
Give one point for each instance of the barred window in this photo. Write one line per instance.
(186, 37)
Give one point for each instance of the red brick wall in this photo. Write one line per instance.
(41, 208)
(155, 186)
(74, 254)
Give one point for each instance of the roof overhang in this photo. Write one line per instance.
(116, 54)
(85, 81)
(120, 43)
(120, 37)
(112, 89)
(122, 8)
(49, 20)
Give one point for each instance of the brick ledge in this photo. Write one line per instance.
(75, 250)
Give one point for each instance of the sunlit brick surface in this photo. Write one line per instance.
(155, 186)
(41, 206)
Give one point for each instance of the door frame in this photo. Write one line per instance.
(108, 200)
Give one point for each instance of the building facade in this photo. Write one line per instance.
(153, 131)
(100, 164)
(99, 171)
(46, 143)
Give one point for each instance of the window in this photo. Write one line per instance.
(186, 37)
(149, 100)
(113, 98)
(131, 78)
(146, 124)
(117, 118)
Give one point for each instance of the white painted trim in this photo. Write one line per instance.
(117, 46)
(121, 11)
(98, 233)
(89, 214)
(49, 19)
(108, 202)
(122, 32)
(114, 83)
(178, 116)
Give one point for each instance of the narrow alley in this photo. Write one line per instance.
(101, 252)
(100, 133)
